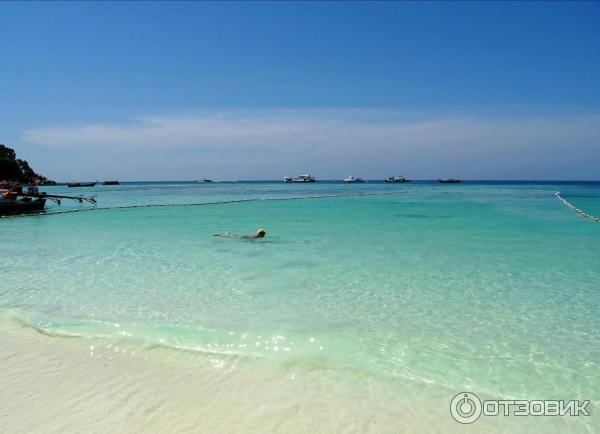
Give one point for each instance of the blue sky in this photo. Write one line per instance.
(259, 90)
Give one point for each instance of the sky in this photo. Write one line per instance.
(262, 90)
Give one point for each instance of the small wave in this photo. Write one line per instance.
(16, 320)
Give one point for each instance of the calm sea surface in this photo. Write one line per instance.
(488, 287)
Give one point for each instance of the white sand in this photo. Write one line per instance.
(70, 385)
(52, 385)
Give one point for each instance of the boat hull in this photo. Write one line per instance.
(21, 206)
(300, 179)
(81, 184)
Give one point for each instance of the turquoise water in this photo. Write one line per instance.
(493, 288)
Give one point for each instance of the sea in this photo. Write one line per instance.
(387, 300)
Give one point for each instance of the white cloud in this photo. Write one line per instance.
(263, 144)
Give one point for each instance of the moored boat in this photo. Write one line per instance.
(17, 201)
(13, 205)
(353, 180)
(398, 179)
(81, 184)
(304, 178)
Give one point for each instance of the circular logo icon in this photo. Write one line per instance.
(465, 407)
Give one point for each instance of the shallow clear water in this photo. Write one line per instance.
(493, 288)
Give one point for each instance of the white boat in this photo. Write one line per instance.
(397, 179)
(287, 179)
(352, 180)
(304, 178)
(200, 181)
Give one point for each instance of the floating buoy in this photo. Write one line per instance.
(577, 210)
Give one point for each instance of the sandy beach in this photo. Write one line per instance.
(55, 385)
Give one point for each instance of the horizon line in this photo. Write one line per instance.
(339, 180)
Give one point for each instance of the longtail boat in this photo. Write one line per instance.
(20, 206)
(16, 201)
(81, 184)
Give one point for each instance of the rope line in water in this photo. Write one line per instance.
(224, 202)
(577, 210)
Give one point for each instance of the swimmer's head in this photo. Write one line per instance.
(260, 233)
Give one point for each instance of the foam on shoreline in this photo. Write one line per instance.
(72, 385)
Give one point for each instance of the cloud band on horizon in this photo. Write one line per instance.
(268, 144)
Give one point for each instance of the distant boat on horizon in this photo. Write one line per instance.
(81, 184)
(398, 179)
(203, 180)
(111, 182)
(353, 180)
(449, 181)
(300, 178)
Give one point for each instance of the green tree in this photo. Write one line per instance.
(17, 170)
(6, 152)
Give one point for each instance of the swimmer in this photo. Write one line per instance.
(259, 234)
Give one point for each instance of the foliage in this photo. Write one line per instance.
(13, 169)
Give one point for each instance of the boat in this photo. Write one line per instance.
(352, 180)
(449, 181)
(111, 182)
(81, 184)
(10, 204)
(398, 179)
(203, 180)
(304, 178)
(16, 201)
(287, 179)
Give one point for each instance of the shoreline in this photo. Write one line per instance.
(57, 384)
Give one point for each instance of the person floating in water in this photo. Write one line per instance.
(259, 234)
